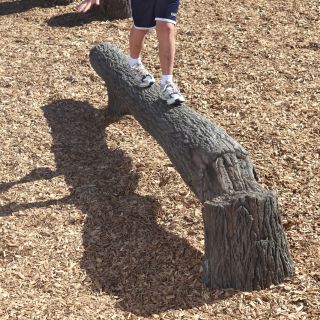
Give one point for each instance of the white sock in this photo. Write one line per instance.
(133, 61)
(165, 78)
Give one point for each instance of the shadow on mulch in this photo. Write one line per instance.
(13, 7)
(37, 174)
(75, 19)
(127, 254)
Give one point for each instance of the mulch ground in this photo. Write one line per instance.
(95, 223)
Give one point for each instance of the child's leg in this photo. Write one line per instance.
(166, 38)
(166, 16)
(136, 42)
(143, 20)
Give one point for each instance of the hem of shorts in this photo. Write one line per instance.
(143, 28)
(166, 20)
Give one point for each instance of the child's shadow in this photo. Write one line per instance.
(127, 254)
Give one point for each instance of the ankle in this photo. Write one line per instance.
(166, 78)
(133, 61)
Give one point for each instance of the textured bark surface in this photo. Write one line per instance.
(245, 245)
(116, 9)
(245, 242)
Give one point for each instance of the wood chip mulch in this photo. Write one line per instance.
(95, 223)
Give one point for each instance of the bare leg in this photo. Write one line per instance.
(142, 77)
(136, 42)
(167, 49)
(167, 46)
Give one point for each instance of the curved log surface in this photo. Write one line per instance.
(245, 245)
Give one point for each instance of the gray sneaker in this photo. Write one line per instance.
(170, 93)
(142, 77)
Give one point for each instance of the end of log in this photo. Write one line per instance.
(245, 244)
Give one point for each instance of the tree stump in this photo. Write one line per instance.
(245, 244)
(115, 9)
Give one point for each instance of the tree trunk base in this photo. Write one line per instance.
(245, 244)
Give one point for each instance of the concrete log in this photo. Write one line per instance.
(245, 244)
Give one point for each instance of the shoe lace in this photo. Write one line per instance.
(140, 70)
(171, 88)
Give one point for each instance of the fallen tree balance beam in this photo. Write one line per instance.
(245, 244)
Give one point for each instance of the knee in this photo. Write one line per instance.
(165, 27)
(138, 32)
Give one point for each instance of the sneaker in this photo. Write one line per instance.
(170, 93)
(142, 77)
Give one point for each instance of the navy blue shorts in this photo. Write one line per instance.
(145, 13)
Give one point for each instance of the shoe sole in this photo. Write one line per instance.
(175, 101)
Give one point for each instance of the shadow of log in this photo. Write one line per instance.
(13, 7)
(127, 254)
